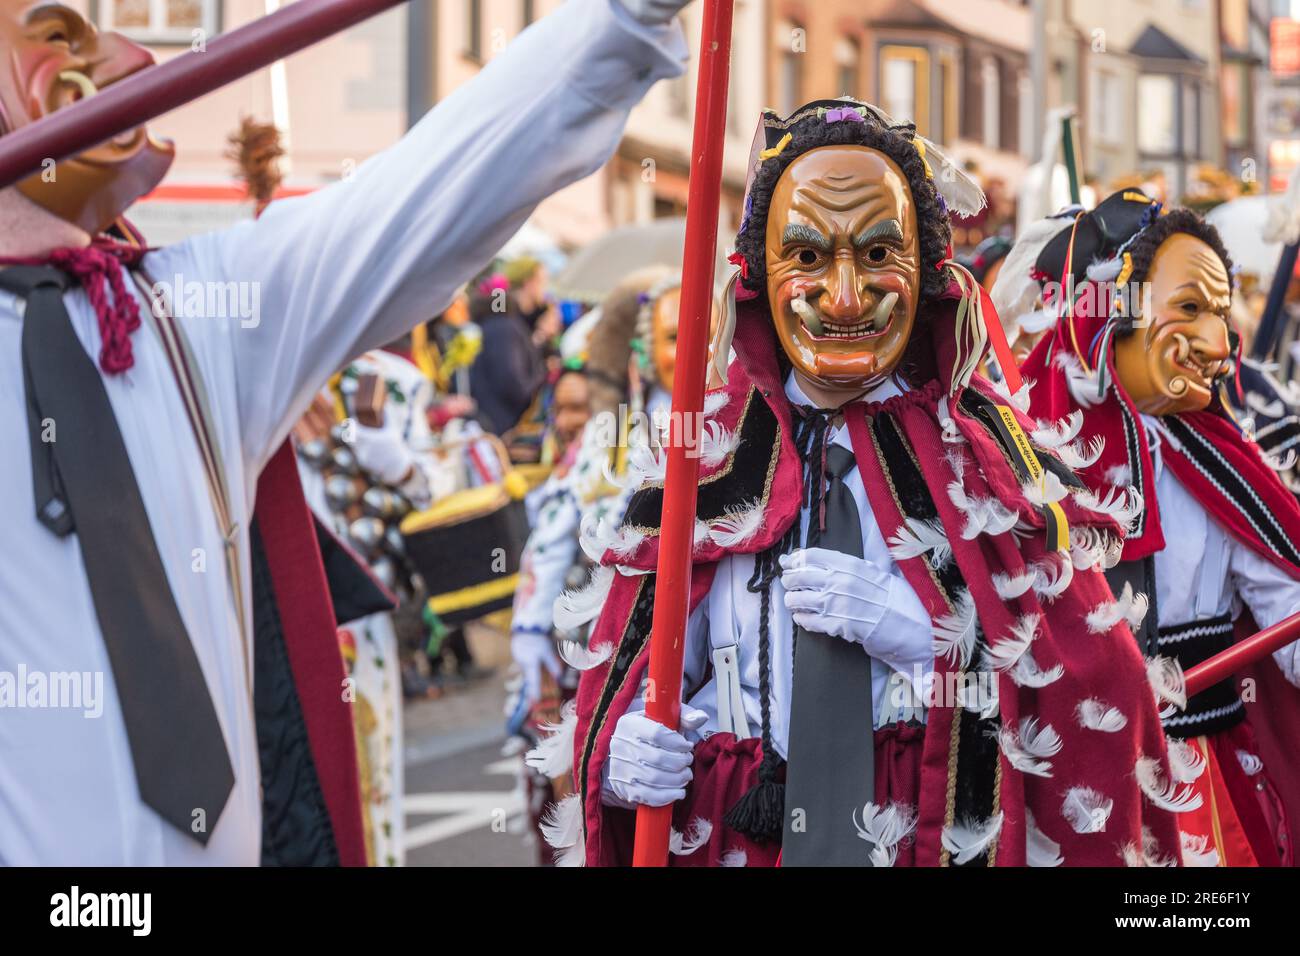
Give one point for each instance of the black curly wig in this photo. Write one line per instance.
(812, 132)
(1143, 249)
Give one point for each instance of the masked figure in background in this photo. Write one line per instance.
(886, 659)
(599, 415)
(225, 740)
(1134, 369)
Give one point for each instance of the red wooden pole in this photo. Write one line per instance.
(673, 581)
(1242, 654)
(143, 96)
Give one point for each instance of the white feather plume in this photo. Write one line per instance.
(1197, 851)
(1020, 400)
(1029, 747)
(1121, 476)
(1048, 491)
(715, 402)
(978, 694)
(1081, 454)
(1185, 762)
(1128, 607)
(1094, 714)
(1250, 764)
(1040, 849)
(1058, 433)
(967, 839)
(1082, 385)
(1168, 684)
(1027, 673)
(916, 538)
(553, 756)
(984, 515)
(954, 634)
(581, 656)
(696, 835)
(1016, 291)
(1146, 854)
(716, 443)
(1010, 587)
(735, 857)
(1052, 576)
(1086, 810)
(574, 608)
(1005, 654)
(738, 526)
(884, 828)
(1165, 794)
(1122, 504)
(561, 827)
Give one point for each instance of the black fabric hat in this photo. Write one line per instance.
(1100, 233)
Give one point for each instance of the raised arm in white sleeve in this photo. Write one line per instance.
(353, 266)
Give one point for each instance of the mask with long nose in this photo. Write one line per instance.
(50, 56)
(1169, 362)
(843, 265)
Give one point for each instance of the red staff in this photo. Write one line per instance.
(1242, 654)
(150, 93)
(673, 580)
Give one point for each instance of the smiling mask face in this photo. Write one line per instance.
(51, 57)
(1170, 365)
(843, 265)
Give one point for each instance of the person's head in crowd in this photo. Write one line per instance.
(528, 284)
(570, 405)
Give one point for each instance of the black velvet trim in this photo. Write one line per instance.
(980, 407)
(354, 593)
(745, 481)
(975, 793)
(471, 552)
(629, 648)
(296, 826)
(1218, 707)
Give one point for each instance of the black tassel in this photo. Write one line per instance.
(760, 813)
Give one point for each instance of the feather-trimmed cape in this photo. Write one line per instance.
(938, 478)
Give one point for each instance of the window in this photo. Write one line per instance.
(991, 88)
(1106, 110)
(160, 21)
(904, 85)
(847, 57)
(1191, 94)
(529, 13)
(790, 54)
(1025, 92)
(1158, 114)
(947, 98)
(474, 29)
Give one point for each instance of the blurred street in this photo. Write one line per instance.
(463, 804)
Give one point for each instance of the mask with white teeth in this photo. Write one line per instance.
(843, 265)
(51, 57)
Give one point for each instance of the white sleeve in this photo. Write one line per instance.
(1271, 594)
(358, 263)
(550, 552)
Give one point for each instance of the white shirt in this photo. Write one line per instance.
(730, 613)
(338, 272)
(1204, 572)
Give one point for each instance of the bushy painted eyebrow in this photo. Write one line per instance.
(798, 232)
(888, 229)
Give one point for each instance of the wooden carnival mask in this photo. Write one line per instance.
(663, 336)
(50, 56)
(1169, 363)
(843, 265)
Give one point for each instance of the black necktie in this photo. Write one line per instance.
(830, 773)
(84, 483)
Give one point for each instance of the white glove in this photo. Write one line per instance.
(653, 12)
(648, 763)
(845, 596)
(533, 651)
(382, 453)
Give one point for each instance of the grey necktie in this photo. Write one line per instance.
(830, 771)
(84, 482)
